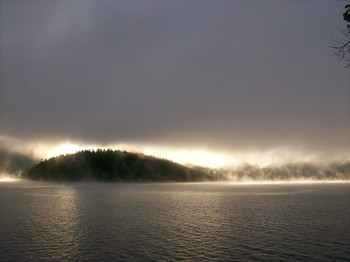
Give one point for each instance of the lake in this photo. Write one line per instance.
(174, 222)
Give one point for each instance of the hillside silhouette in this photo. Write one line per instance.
(110, 165)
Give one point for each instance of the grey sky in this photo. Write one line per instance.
(222, 74)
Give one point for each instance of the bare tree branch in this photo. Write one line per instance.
(342, 47)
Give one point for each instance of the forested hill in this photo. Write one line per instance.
(109, 165)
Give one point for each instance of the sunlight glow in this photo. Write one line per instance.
(64, 148)
(48, 150)
(193, 157)
(199, 156)
(8, 178)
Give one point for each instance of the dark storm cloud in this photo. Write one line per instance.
(226, 74)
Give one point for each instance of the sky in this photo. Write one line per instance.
(198, 81)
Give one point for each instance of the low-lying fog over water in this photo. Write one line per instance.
(174, 221)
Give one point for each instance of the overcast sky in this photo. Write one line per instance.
(223, 74)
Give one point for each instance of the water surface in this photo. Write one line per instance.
(195, 221)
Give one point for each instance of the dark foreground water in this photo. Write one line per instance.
(162, 222)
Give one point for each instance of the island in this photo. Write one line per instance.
(114, 165)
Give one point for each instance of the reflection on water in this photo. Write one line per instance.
(44, 216)
(56, 221)
(138, 222)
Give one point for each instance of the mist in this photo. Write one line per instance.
(15, 164)
(336, 171)
(18, 157)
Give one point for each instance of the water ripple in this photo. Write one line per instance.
(173, 222)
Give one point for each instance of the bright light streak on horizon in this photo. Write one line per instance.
(193, 156)
(8, 178)
(199, 157)
(48, 150)
(65, 148)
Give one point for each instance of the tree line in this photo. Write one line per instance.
(110, 165)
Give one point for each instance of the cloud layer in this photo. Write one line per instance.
(229, 75)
